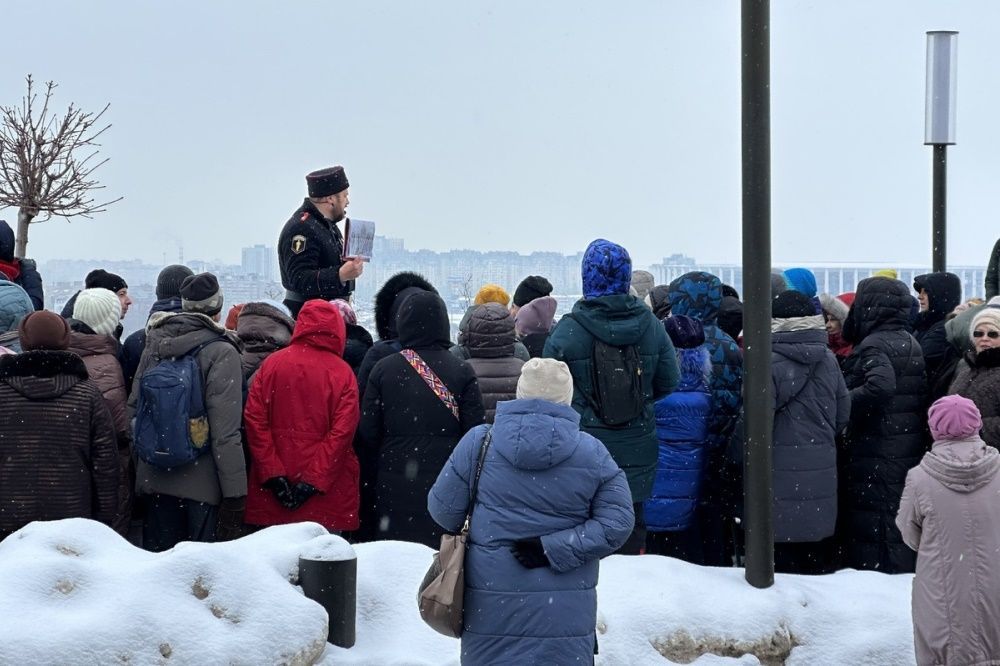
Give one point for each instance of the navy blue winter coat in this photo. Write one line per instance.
(682, 430)
(542, 478)
(812, 406)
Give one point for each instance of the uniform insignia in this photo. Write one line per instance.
(298, 244)
(304, 218)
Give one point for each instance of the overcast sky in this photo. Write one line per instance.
(515, 124)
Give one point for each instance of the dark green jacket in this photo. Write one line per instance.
(618, 320)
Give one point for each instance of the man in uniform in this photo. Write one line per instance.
(311, 247)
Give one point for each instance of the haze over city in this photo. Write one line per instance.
(515, 126)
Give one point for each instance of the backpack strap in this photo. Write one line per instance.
(433, 382)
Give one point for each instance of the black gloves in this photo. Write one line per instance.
(282, 490)
(300, 493)
(530, 553)
(229, 524)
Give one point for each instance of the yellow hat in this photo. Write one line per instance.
(492, 293)
(890, 273)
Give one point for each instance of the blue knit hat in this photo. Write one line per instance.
(607, 269)
(801, 280)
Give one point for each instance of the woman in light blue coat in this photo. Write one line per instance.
(551, 503)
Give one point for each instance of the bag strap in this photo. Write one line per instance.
(475, 482)
(433, 382)
(795, 396)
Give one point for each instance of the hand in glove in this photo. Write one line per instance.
(530, 553)
(300, 493)
(282, 490)
(229, 525)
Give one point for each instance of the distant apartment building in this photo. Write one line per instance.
(261, 262)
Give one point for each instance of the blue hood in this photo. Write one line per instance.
(801, 280)
(607, 269)
(535, 434)
(696, 294)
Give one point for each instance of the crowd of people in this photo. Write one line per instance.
(616, 429)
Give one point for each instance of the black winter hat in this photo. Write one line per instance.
(729, 291)
(531, 287)
(6, 242)
(201, 293)
(168, 282)
(327, 182)
(685, 332)
(791, 304)
(101, 279)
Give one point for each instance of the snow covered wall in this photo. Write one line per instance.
(74, 592)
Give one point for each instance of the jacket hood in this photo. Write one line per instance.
(491, 332)
(536, 316)
(423, 322)
(616, 320)
(320, 325)
(172, 304)
(6, 241)
(944, 293)
(801, 280)
(658, 300)
(606, 269)
(695, 366)
(263, 327)
(696, 294)
(387, 300)
(92, 344)
(962, 466)
(42, 375)
(806, 346)
(15, 305)
(880, 304)
(535, 434)
(172, 334)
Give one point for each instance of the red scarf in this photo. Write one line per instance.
(10, 269)
(841, 347)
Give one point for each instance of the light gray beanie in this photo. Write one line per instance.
(99, 309)
(546, 379)
(990, 316)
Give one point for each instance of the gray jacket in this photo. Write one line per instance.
(461, 350)
(222, 474)
(490, 341)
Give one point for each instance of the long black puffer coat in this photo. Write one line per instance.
(490, 340)
(887, 432)
(944, 293)
(410, 427)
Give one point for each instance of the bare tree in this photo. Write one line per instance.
(47, 162)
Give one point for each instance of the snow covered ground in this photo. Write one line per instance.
(73, 592)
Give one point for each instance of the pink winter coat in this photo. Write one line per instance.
(950, 515)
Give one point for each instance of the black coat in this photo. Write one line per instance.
(944, 293)
(310, 250)
(359, 341)
(535, 343)
(993, 273)
(887, 432)
(410, 427)
(812, 407)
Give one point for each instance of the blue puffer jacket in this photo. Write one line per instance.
(699, 295)
(682, 429)
(542, 477)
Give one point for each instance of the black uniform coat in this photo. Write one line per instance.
(310, 251)
(410, 427)
(886, 436)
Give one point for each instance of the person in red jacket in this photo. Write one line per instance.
(300, 419)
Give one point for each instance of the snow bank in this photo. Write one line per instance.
(74, 592)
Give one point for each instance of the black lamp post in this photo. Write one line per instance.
(939, 129)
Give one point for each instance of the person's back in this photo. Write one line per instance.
(490, 340)
(15, 305)
(409, 424)
(950, 516)
(57, 441)
(300, 421)
(201, 500)
(168, 299)
(608, 314)
(811, 407)
(886, 434)
(550, 503)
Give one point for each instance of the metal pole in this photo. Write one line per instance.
(333, 584)
(940, 237)
(757, 393)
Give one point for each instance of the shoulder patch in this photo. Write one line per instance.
(298, 244)
(304, 217)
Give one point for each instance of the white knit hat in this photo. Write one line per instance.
(99, 309)
(990, 315)
(546, 379)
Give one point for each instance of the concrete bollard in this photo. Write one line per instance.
(328, 574)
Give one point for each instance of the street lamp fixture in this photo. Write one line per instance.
(939, 128)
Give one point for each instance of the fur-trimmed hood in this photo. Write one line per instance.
(387, 300)
(42, 375)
